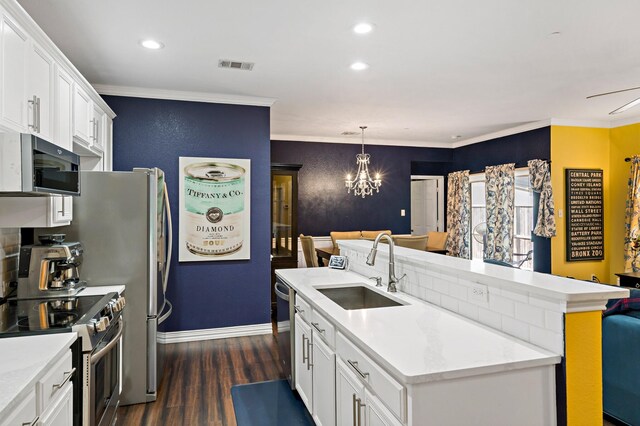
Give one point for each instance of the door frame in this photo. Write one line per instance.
(440, 212)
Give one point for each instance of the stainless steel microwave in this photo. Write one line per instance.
(32, 166)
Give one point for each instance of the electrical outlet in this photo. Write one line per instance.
(594, 278)
(479, 292)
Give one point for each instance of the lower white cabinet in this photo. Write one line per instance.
(355, 405)
(324, 373)
(25, 413)
(315, 373)
(304, 374)
(36, 212)
(59, 412)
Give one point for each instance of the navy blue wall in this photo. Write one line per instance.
(323, 202)
(154, 133)
(518, 148)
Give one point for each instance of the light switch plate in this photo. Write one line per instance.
(402, 212)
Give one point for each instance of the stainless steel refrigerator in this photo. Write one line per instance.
(123, 221)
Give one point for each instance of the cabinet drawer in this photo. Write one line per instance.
(388, 390)
(25, 413)
(51, 384)
(322, 327)
(303, 308)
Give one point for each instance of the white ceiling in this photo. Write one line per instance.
(437, 68)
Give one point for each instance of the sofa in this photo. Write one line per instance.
(621, 359)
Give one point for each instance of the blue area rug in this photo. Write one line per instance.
(268, 404)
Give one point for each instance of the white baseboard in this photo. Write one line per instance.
(214, 333)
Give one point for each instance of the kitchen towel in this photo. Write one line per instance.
(270, 403)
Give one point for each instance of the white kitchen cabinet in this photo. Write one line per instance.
(98, 125)
(14, 47)
(349, 391)
(59, 412)
(303, 360)
(40, 94)
(315, 363)
(355, 404)
(63, 111)
(82, 117)
(323, 384)
(24, 413)
(375, 413)
(35, 212)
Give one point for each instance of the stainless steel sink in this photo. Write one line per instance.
(357, 297)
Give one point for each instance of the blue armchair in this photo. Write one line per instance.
(621, 365)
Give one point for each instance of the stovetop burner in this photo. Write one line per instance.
(35, 316)
(52, 320)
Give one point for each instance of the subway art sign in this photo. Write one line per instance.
(584, 214)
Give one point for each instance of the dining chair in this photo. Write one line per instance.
(437, 240)
(343, 235)
(417, 242)
(371, 235)
(309, 251)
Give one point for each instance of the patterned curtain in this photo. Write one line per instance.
(500, 194)
(459, 214)
(540, 179)
(632, 233)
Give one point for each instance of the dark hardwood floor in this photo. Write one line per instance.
(198, 376)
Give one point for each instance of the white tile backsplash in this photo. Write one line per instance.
(527, 316)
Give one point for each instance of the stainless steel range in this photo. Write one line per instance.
(98, 322)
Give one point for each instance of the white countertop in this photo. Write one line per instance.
(548, 285)
(101, 290)
(418, 342)
(23, 360)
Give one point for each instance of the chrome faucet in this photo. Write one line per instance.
(371, 260)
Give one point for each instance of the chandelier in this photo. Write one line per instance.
(362, 184)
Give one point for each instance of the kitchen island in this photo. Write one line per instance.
(424, 364)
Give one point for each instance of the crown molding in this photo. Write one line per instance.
(179, 95)
(620, 122)
(357, 141)
(594, 124)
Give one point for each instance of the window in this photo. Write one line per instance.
(523, 217)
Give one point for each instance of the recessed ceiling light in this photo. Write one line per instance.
(456, 137)
(152, 44)
(359, 66)
(363, 28)
(555, 33)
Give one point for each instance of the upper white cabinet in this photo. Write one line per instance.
(42, 93)
(98, 124)
(82, 117)
(13, 97)
(63, 109)
(40, 73)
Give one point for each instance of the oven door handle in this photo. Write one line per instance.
(102, 352)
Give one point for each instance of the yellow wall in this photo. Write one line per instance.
(579, 148)
(583, 356)
(624, 142)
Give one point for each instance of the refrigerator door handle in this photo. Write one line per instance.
(167, 263)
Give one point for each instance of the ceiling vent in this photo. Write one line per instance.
(349, 133)
(236, 65)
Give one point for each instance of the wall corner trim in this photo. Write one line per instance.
(178, 95)
(214, 333)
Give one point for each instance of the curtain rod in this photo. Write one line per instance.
(517, 166)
